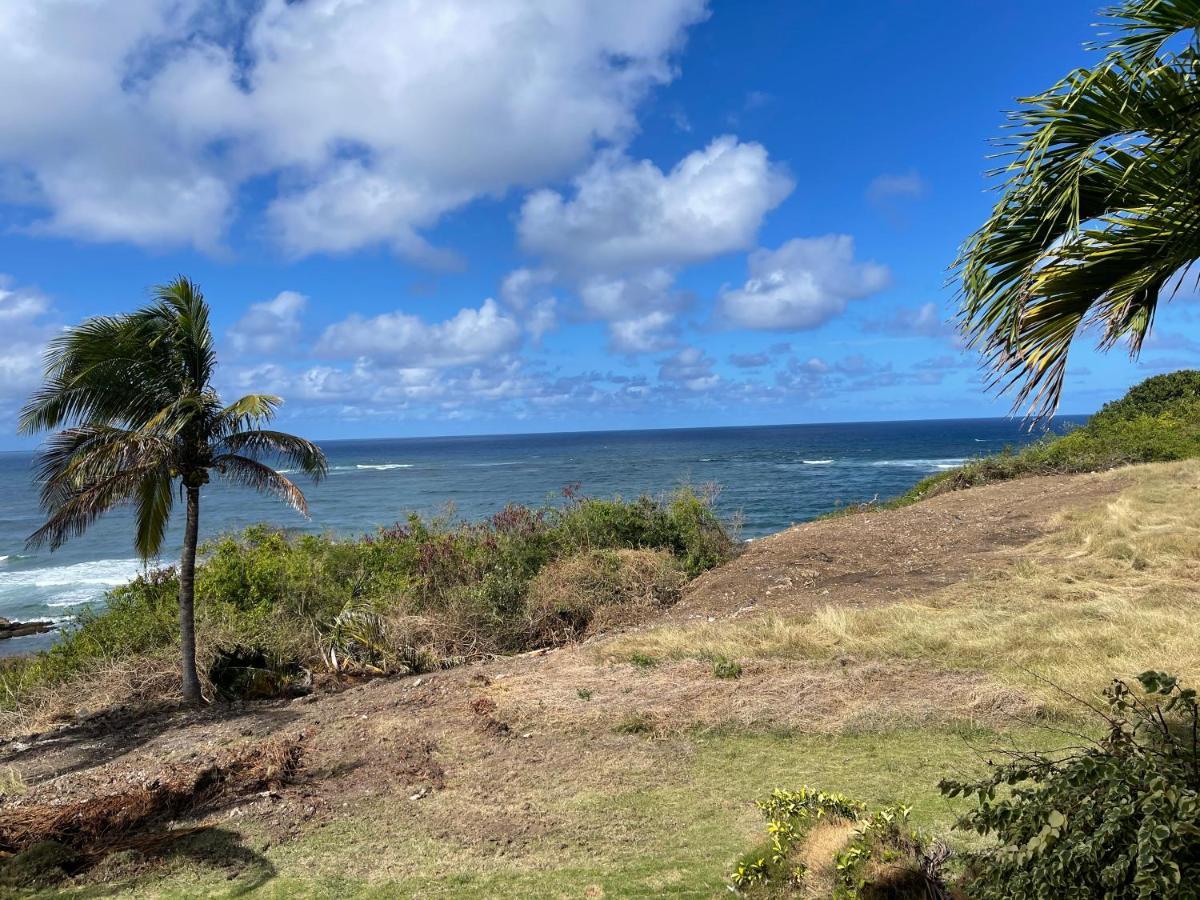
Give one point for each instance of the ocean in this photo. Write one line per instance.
(772, 476)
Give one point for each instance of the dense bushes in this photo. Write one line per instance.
(1157, 420)
(420, 594)
(1117, 819)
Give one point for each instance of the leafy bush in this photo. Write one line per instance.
(418, 595)
(1117, 819)
(1155, 396)
(1157, 420)
(828, 845)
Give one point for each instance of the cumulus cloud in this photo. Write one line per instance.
(269, 327)
(640, 308)
(471, 336)
(802, 285)
(625, 214)
(374, 118)
(528, 293)
(26, 324)
(622, 233)
(690, 367)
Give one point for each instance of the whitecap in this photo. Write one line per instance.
(816, 462)
(944, 463)
(98, 573)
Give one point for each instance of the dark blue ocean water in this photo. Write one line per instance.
(773, 476)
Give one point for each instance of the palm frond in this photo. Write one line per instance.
(75, 513)
(104, 369)
(1097, 216)
(182, 305)
(77, 457)
(155, 496)
(251, 473)
(1143, 28)
(295, 452)
(246, 412)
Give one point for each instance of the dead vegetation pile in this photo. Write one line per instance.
(600, 590)
(96, 824)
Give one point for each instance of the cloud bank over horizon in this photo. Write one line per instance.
(440, 215)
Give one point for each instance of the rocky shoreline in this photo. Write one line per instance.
(11, 629)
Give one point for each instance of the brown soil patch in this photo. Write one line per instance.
(881, 557)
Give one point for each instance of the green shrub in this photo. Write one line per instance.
(723, 667)
(421, 594)
(1157, 420)
(828, 845)
(1118, 818)
(1155, 396)
(642, 661)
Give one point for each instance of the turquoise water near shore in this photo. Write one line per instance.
(773, 476)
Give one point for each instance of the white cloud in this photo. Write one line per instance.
(471, 336)
(627, 214)
(643, 334)
(640, 309)
(25, 327)
(269, 327)
(527, 293)
(140, 120)
(627, 227)
(803, 284)
(690, 367)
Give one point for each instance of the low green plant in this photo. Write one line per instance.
(636, 723)
(584, 694)
(642, 661)
(1116, 818)
(723, 667)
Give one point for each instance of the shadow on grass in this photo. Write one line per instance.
(141, 861)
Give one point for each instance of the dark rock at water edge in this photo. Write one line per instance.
(10, 629)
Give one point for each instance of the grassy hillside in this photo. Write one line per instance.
(630, 765)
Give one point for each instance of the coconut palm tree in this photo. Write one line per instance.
(140, 419)
(1098, 218)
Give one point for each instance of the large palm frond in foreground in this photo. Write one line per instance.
(141, 422)
(1099, 214)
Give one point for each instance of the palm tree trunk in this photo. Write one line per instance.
(187, 597)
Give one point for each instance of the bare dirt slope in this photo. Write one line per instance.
(879, 557)
(487, 738)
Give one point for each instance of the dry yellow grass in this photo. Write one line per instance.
(1110, 592)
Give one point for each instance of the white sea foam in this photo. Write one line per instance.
(816, 462)
(381, 466)
(947, 463)
(99, 573)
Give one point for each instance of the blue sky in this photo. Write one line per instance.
(419, 218)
